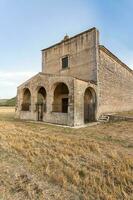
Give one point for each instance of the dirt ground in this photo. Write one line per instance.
(46, 162)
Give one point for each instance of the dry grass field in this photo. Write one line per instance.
(46, 162)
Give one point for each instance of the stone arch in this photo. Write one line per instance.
(26, 104)
(60, 97)
(89, 105)
(41, 95)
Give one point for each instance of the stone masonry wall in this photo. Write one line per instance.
(81, 51)
(79, 92)
(49, 83)
(115, 85)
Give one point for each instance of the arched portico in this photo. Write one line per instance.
(89, 105)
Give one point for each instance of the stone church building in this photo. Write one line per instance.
(80, 81)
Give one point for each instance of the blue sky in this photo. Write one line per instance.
(26, 27)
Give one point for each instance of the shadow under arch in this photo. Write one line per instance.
(41, 94)
(60, 97)
(26, 104)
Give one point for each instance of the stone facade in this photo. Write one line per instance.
(93, 83)
(76, 88)
(81, 50)
(115, 84)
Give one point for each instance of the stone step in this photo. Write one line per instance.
(103, 118)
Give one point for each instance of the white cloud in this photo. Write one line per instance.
(10, 80)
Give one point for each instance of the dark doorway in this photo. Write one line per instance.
(89, 105)
(39, 108)
(89, 112)
(65, 105)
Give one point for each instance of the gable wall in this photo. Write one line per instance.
(81, 49)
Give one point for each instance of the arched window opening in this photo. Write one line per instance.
(89, 105)
(26, 105)
(61, 99)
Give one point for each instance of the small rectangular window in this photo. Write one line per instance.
(65, 62)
